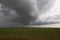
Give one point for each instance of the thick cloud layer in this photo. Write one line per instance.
(43, 9)
(26, 12)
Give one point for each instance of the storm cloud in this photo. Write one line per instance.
(26, 11)
(40, 8)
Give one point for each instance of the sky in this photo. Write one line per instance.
(49, 12)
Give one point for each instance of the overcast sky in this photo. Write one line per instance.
(44, 5)
(49, 10)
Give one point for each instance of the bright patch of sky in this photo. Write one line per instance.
(52, 15)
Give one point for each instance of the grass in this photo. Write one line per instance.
(29, 34)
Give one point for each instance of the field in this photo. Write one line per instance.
(29, 34)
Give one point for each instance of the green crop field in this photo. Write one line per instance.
(29, 34)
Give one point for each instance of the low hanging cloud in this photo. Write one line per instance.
(46, 14)
(26, 12)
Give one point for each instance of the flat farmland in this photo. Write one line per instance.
(29, 34)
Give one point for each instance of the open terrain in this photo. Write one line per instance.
(29, 34)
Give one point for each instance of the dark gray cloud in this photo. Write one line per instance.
(23, 9)
(11, 21)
